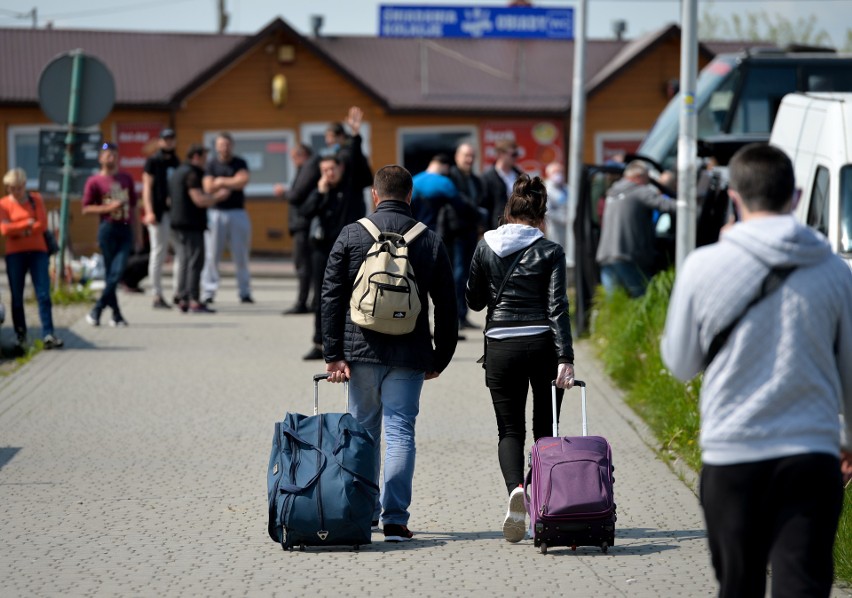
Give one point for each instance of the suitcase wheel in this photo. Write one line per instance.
(604, 547)
(574, 547)
(544, 548)
(302, 548)
(357, 548)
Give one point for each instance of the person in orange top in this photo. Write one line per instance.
(23, 221)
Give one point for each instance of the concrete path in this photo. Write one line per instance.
(133, 463)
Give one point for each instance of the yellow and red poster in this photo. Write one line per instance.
(539, 142)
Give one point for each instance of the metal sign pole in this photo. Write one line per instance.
(578, 118)
(68, 165)
(687, 144)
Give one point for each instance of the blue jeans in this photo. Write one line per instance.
(626, 275)
(37, 264)
(381, 394)
(115, 241)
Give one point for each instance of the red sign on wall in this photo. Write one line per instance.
(540, 142)
(136, 141)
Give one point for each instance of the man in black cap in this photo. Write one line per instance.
(155, 199)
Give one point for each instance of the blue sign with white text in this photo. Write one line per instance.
(476, 22)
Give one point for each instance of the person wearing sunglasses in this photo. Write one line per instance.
(498, 180)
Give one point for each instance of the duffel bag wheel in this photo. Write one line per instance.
(544, 548)
(574, 547)
(604, 547)
(356, 548)
(302, 548)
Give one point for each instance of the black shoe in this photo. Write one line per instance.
(246, 299)
(296, 309)
(160, 303)
(201, 308)
(397, 533)
(208, 301)
(313, 354)
(467, 324)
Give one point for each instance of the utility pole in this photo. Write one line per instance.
(34, 15)
(687, 145)
(578, 111)
(223, 16)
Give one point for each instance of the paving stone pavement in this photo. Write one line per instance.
(133, 463)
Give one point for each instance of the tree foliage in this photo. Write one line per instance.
(766, 27)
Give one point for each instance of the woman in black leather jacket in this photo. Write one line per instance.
(520, 277)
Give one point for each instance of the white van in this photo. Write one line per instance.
(815, 130)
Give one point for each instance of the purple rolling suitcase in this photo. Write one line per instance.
(569, 488)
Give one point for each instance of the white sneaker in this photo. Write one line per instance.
(514, 526)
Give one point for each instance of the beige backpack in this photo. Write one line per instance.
(385, 297)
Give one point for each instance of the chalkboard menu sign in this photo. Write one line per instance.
(51, 149)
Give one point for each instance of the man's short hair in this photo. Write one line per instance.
(225, 135)
(329, 154)
(636, 168)
(337, 129)
(196, 149)
(763, 176)
(305, 149)
(505, 146)
(392, 182)
(443, 159)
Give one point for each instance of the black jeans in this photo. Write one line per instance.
(513, 365)
(781, 511)
(190, 254)
(303, 260)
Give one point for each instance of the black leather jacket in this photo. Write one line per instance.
(534, 294)
(342, 339)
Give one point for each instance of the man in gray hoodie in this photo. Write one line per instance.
(772, 440)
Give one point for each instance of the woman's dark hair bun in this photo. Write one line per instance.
(528, 202)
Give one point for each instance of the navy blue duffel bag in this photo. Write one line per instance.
(320, 480)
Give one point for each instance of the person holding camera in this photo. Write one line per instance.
(110, 195)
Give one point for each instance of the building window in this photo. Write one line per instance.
(417, 145)
(22, 142)
(267, 154)
(23, 151)
(313, 134)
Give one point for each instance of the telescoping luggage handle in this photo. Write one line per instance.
(582, 386)
(317, 378)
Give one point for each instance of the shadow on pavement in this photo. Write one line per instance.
(7, 453)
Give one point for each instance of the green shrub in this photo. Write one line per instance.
(626, 333)
(71, 294)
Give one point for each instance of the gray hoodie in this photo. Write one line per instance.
(784, 375)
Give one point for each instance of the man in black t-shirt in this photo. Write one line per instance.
(189, 221)
(155, 199)
(228, 222)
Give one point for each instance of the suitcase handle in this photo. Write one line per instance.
(324, 376)
(582, 386)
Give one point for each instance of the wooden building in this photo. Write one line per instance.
(278, 87)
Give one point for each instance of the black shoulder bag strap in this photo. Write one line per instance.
(772, 281)
(509, 272)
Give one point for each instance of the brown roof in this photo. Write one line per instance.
(149, 69)
(496, 76)
(492, 75)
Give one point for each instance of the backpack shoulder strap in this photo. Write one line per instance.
(371, 228)
(413, 232)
